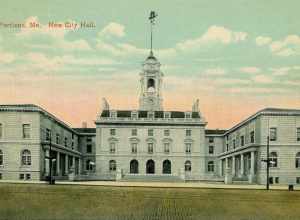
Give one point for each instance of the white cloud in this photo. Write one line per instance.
(113, 29)
(214, 72)
(262, 79)
(282, 71)
(261, 40)
(286, 47)
(250, 69)
(214, 34)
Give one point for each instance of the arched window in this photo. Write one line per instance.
(134, 166)
(151, 83)
(1, 157)
(273, 159)
(297, 161)
(210, 166)
(112, 165)
(26, 157)
(187, 165)
(167, 167)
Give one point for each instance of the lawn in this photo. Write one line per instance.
(44, 202)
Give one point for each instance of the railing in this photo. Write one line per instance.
(117, 119)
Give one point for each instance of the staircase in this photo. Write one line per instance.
(151, 178)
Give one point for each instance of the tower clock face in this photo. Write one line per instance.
(151, 101)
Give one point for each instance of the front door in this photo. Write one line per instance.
(150, 166)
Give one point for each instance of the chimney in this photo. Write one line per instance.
(84, 124)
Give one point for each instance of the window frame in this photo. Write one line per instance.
(112, 165)
(273, 158)
(26, 158)
(210, 166)
(26, 129)
(187, 166)
(211, 149)
(273, 133)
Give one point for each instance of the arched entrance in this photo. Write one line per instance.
(166, 167)
(134, 166)
(150, 166)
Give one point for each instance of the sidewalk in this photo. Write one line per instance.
(177, 185)
(208, 185)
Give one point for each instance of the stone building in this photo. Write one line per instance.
(149, 143)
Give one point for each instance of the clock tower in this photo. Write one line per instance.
(151, 83)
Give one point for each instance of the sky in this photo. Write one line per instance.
(235, 56)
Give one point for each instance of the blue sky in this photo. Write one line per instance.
(235, 56)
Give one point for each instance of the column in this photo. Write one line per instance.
(67, 164)
(221, 167)
(46, 162)
(226, 164)
(252, 162)
(73, 163)
(242, 165)
(233, 166)
(58, 164)
(79, 166)
(251, 176)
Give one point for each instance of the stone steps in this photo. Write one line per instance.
(151, 178)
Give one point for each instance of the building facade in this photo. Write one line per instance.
(149, 143)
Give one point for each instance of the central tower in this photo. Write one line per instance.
(151, 79)
(151, 84)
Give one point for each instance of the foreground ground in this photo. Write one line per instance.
(74, 202)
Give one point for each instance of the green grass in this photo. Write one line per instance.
(32, 201)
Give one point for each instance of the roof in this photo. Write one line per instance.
(33, 108)
(266, 111)
(85, 130)
(143, 114)
(214, 131)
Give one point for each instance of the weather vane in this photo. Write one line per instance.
(152, 17)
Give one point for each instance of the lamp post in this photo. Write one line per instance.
(50, 159)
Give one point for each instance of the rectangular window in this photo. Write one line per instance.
(252, 136)
(134, 132)
(28, 176)
(26, 130)
(150, 132)
(21, 176)
(276, 180)
(188, 147)
(271, 180)
(167, 132)
(273, 134)
(112, 132)
(66, 142)
(188, 132)
(89, 148)
(167, 148)
(57, 139)
(112, 147)
(233, 143)
(150, 148)
(211, 149)
(298, 134)
(227, 147)
(1, 130)
(298, 180)
(48, 134)
(242, 141)
(211, 140)
(134, 148)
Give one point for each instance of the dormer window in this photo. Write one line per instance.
(113, 114)
(188, 114)
(134, 114)
(167, 115)
(151, 115)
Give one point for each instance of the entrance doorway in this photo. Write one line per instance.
(150, 166)
(134, 166)
(166, 167)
